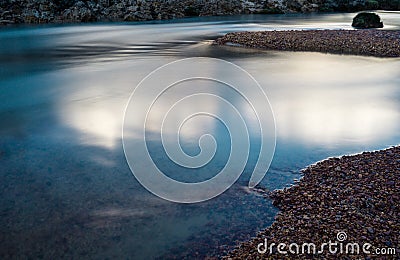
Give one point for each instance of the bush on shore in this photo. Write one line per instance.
(366, 21)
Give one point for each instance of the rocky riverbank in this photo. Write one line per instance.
(379, 43)
(62, 11)
(352, 199)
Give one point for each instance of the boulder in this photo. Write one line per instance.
(366, 21)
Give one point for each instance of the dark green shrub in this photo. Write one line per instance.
(191, 11)
(271, 10)
(367, 20)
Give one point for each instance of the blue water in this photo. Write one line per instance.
(66, 190)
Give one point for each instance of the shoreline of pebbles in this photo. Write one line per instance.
(378, 43)
(355, 194)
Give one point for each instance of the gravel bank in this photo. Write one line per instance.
(358, 195)
(379, 43)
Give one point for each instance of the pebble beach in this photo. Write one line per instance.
(378, 43)
(351, 199)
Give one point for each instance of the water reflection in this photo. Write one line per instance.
(320, 99)
(330, 99)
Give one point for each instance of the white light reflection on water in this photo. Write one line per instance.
(331, 99)
(317, 99)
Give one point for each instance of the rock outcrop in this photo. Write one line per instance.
(57, 11)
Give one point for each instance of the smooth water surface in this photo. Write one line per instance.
(66, 189)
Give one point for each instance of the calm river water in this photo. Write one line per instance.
(66, 190)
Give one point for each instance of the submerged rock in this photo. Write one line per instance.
(367, 20)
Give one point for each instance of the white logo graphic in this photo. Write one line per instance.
(341, 236)
(194, 72)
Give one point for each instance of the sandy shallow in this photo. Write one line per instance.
(351, 199)
(378, 43)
